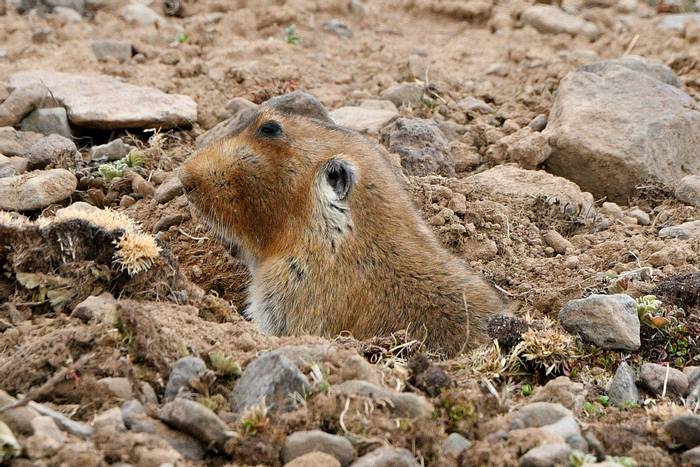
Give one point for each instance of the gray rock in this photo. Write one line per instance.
(685, 429)
(49, 150)
(168, 221)
(40, 446)
(526, 147)
(36, 190)
(378, 104)
(622, 388)
(405, 94)
(196, 420)
(16, 143)
(137, 421)
(169, 189)
(53, 121)
(539, 414)
(112, 50)
(677, 22)
(611, 210)
(548, 455)
(112, 151)
(304, 442)
(314, 459)
(45, 426)
(183, 371)
(641, 216)
(403, 404)
(682, 231)
(19, 419)
(138, 13)
(538, 123)
(562, 390)
(362, 119)
(658, 71)
(68, 14)
(454, 445)
(387, 457)
(609, 321)
(99, 101)
(516, 182)
(558, 243)
(472, 104)
(614, 128)
(693, 374)
(117, 386)
(653, 376)
(21, 102)
(299, 103)
(271, 378)
(71, 426)
(11, 166)
(149, 395)
(75, 5)
(691, 457)
(550, 19)
(110, 420)
(688, 190)
(567, 428)
(423, 148)
(337, 27)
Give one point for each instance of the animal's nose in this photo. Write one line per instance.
(188, 181)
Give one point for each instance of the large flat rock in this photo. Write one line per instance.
(99, 101)
(36, 190)
(613, 128)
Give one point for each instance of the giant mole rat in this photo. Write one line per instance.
(331, 238)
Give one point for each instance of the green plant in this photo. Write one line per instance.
(648, 307)
(526, 390)
(215, 403)
(255, 419)
(623, 461)
(591, 409)
(545, 349)
(603, 400)
(628, 405)
(318, 377)
(223, 364)
(116, 169)
(182, 38)
(579, 459)
(291, 35)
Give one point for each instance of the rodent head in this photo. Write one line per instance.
(280, 178)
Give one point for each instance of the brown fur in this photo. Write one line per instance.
(367, 263)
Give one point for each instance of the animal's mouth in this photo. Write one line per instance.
(214, 227)
(204, 213)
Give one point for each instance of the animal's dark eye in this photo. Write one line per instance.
(270, 129)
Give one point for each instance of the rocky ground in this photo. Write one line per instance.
(552, 147)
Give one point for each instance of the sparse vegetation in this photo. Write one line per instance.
(291, 36)
(224, 365)
(116, 169)
(254, 420)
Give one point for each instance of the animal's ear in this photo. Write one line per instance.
(338, 176)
